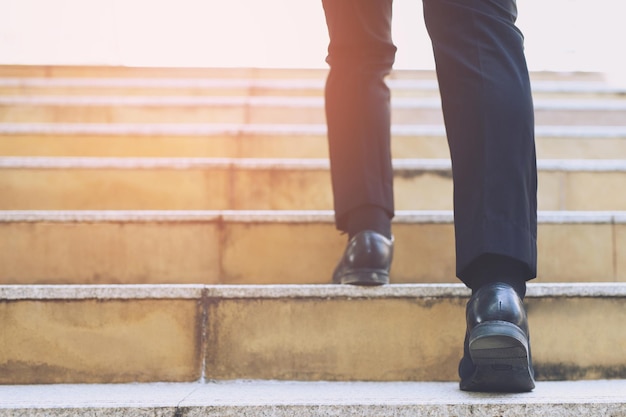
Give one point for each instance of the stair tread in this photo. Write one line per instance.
(262, 398)
(202, 129)
(279, 216)
(120, 162)
(283, 101)
(287, 291)
(428, 82)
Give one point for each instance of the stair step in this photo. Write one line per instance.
(299, 110)
(198, 87)
(182, 333)
(65, 183)
(271, 141)
(309, 399)
(235, 247)
(242, 81)
(110, 71)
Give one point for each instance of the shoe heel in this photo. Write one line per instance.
(497, 340)
(366, 278)
(502, 358)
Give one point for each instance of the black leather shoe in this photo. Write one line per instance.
(497, 348)
(366, 260)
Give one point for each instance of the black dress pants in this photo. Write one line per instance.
(488, 113)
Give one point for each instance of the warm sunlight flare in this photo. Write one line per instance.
(560, 34)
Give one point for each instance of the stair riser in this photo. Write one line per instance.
(100, 341)
(400, 339)
(277, 146)
(59, 71)
(230, 252)
(188, 114)
(331, 338)
(205, 113)
(244, 88)
(187, 91)
(122, 72)
(266, 189)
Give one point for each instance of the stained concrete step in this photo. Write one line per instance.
(199, 87)
(311, 399)
(111, 71)
(121, 72)
(170, 333)
(63, 183)
(271, 247)
(79, 80)
(271, 140)
(263, 109)
(418, 85)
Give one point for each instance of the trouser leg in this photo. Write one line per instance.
(488, 112)
(360, 55)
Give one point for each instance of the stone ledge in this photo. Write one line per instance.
(205, 129)
(271, 398)
(301, 164)
(135, 163)
(276, 216)
(131, 163)
(277, 101)
(317, 83)
(100, 292)
(316, 291)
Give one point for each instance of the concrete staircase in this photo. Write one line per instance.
(163, 228)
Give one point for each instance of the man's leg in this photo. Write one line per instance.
(488, 113)
(360, 55)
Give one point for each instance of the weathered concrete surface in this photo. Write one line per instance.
(104, 341)
(271, 247)
(297, 399)
(181, 333)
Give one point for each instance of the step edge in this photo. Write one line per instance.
(243, 394)
(18, 292)
(234, 129)
(276, 216)
(400, 103)
(539, 86)
(320, 164)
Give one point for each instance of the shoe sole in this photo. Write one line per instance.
(365, 277)
(500, 352)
